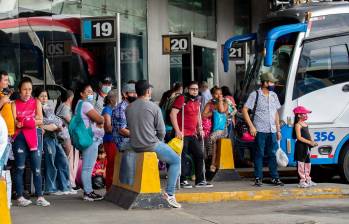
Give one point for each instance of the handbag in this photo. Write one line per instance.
(242, 128)
(81, 137)
(219, 121)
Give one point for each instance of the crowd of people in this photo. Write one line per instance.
(33, 128)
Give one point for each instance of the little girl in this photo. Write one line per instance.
(99, 170)
(303, 144)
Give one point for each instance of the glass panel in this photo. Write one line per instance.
(195, 16)
(242, 17)
(324, 25)
(340, 63)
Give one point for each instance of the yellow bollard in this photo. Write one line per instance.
(5, 217)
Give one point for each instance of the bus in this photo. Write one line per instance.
(306, 48)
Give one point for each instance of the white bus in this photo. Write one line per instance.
(306, 47)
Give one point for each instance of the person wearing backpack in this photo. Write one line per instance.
(82, 106)
(166, 106)
(265, 127)
(216, 110)
(191, 132)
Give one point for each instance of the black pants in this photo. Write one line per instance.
(193, 148)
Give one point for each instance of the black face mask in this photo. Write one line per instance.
(192, 97)
(130, 99)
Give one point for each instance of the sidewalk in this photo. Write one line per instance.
(244, 190)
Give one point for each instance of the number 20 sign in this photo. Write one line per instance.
(98, 29)
(176, 44)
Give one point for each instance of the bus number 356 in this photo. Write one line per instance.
(324, 136)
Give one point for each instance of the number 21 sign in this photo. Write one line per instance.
(98, 29)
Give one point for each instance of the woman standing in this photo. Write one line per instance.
(91, 118)
(108, 142)
(27, 113)
(65, 113)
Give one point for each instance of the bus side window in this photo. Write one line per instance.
(321, 66)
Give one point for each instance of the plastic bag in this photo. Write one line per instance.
(219, 121)
(281, 158)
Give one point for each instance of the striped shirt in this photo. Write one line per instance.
(267, 107)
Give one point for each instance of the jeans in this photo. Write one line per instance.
(56, 166)
(4, 158)
(193, 147)
(166, 154)
(89, 157)
(21, 151)
(265, 143)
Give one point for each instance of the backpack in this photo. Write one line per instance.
(168, 107)
(81, 137)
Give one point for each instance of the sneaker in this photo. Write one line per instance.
(171, 200)
(57, 193)
(277, 182)
(92, 197)
(258, 182)
(70, 192)
(303, 185)
(203, 184)
(22, 202)
(42, 202)
(311, 183)
(186, 185)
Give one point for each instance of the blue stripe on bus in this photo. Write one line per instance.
(339, 147)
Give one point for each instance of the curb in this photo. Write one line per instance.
(264, 195)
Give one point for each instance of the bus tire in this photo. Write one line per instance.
(343, 164)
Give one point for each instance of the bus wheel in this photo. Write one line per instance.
(344, 164)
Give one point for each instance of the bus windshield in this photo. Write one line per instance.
(281, 63)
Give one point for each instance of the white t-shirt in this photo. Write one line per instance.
(3, 136)
(85, 108)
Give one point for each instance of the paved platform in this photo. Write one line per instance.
(245, 191)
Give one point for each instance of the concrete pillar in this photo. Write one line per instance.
(158, 64)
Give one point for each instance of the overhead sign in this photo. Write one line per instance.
(176, 44)
(58, 48)
(98, 29)
(237, 52)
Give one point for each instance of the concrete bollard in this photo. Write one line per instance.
(5, 217)
(136, 181)
(225, 162)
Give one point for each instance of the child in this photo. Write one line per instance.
(99, 170)
(303, 144)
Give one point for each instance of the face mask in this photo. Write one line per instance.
(106, 89)
(130, 99)
(90, 98)
(271, 88)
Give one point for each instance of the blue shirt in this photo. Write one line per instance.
(267, 107)
(118, 120)
(108, 137)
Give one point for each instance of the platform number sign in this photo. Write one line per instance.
(98, 29)
(176, 44)
(58, 48)
(237, 52)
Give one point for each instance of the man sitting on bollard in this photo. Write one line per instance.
(147, 131)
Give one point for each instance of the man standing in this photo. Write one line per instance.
(205, 95)
(190, 132)
(104, 87)
(265, 127)
(147, 132)
(121, 133)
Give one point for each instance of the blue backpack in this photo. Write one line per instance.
(81, 137)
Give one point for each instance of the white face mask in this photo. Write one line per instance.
(90, 98)
(106, 89)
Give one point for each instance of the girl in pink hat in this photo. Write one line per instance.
(303, 144)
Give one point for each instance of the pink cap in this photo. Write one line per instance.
(301, 110)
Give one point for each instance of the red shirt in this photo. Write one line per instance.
(191, 113)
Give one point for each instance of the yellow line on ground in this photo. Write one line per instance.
(263, 195)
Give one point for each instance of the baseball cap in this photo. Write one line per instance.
(142, 85)
(301, 110)
(107, 80)
(268, 76)
(129, 88)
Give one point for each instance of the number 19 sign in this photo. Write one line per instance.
(98, 29)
